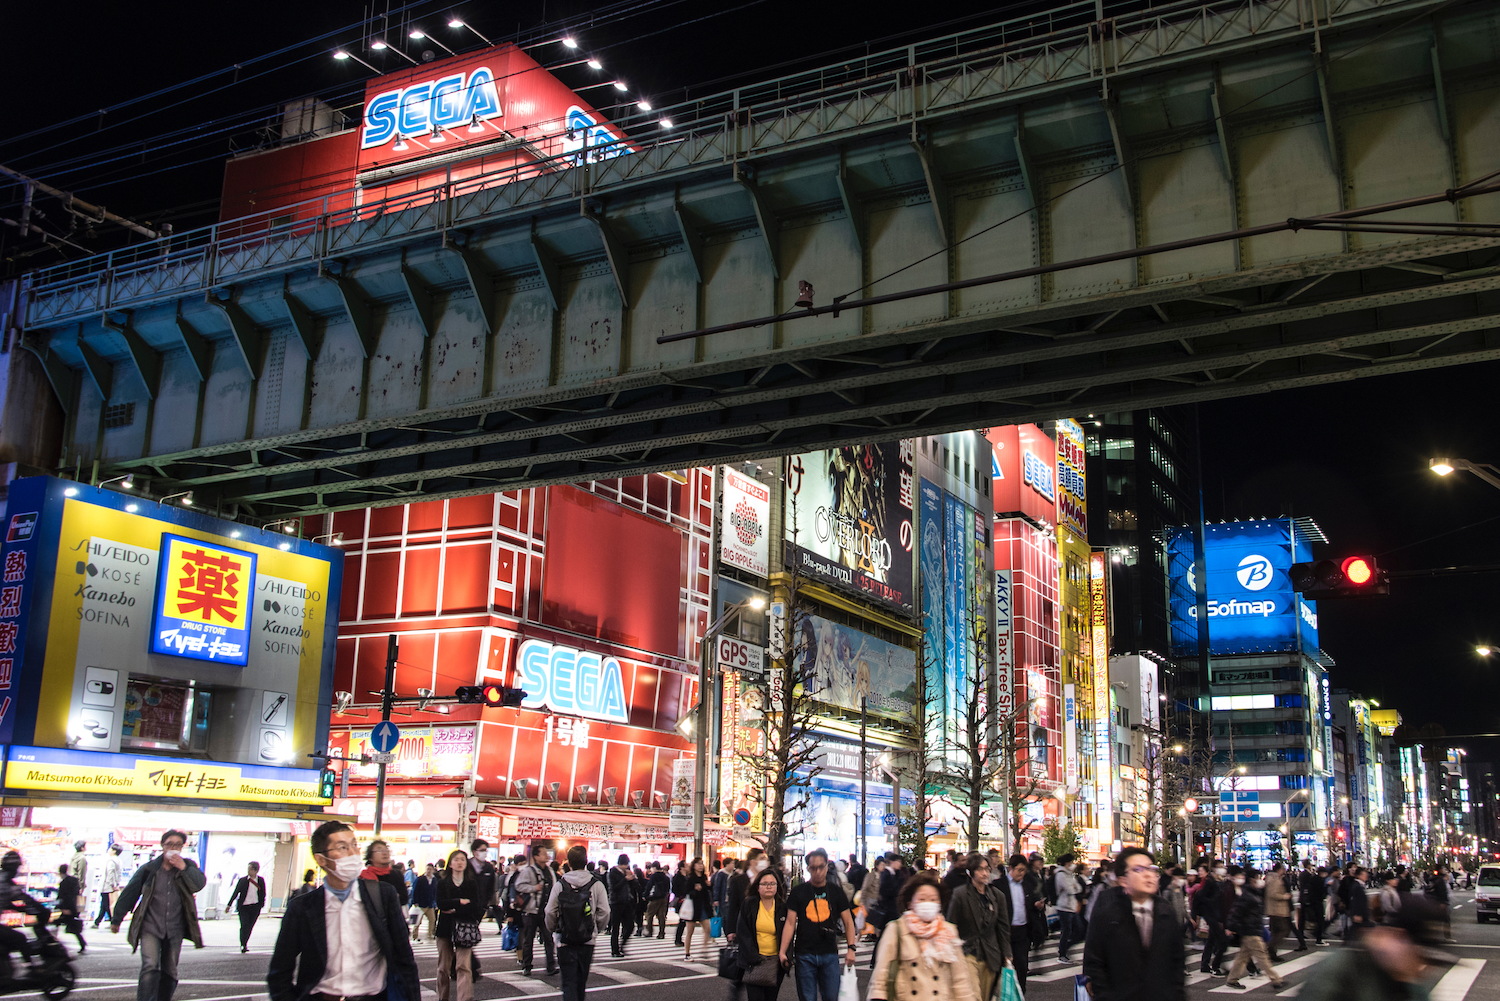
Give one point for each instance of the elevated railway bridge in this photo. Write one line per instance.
(1058, 215)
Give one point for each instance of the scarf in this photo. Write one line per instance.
(937, 939)
(375, 871)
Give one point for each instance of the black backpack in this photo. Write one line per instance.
(1049, 889)
(575, 912)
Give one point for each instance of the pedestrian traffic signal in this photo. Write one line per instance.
(1350, 577)
(493, 696)
(326, 783)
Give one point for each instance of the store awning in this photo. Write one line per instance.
(54, 812)
(589, 825)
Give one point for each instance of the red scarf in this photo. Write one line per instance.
(375, 871)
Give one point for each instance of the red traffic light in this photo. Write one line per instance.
(1358, 570)
(494, 695)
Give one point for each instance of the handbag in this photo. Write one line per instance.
(729, 962)
(849, 985)
(466, 934)
(763, 973)
(715, 927)
(686, 913)
(510, 938)
(1010, 987)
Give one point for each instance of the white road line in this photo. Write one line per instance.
(1291, 991)
(619, 976)
(1282, 969)
(1456, 982)
(1194, 978)
(520, 982)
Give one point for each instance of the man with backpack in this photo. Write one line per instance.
(621, 906)
(577, 911)
(529, 895)
(1066, 886)
(658, 889)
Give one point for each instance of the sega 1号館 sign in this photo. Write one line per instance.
(1251, 605)
(571, 681)
(128, 626)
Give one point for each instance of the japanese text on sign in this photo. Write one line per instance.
(203, 601)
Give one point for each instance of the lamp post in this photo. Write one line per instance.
(1486, 472)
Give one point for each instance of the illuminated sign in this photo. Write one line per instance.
(52, 769)
(567, 680)
(202, 609)
(586, 137)
(848, 517)
(1072, 503)
(1251, 605)
(443, 103)
(744, 541)
(1005, 658)
(1038, 476)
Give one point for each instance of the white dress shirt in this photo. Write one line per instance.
(1018, 913)
(355, 966)
(1143, 917)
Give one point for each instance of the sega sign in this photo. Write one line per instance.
(1251, 605)
(576, 682)
(444, 103)
(586, 137)
(1038, 476)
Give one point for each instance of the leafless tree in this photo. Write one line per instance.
(978, 759)
(919, 767)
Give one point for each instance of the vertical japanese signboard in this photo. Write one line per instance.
(18, 559)
(1005, 655)
(1072, 502)
(202, 609)
(680, 819)
(1099, 641)
(744, 535)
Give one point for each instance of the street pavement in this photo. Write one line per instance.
(654, 969)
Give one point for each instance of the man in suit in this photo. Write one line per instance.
(1021, 900)
(1134, 949)
(345, 940)
(250, 894)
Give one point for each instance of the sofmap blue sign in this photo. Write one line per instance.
(1251, 605)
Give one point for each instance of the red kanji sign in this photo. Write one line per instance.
(209, 583)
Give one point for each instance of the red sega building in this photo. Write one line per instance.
(470, 121)
(591, 597)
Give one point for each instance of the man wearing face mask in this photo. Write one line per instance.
(739, 886)
(167, 914)
(1245, 921)
(346, 940)
(488, 876)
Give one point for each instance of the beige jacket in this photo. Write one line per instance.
(1278, 897)
(915, 980)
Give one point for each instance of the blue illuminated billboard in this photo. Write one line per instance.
(1251, 605)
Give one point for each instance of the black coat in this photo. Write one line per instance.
(983, 922)
(696, 889)
(734, 900)
(1245, 916)
(449, 908)
(301, 954)
(1208, 903)
(1314, 890)
(241, 889)
(1119, 967)
(891, 882)
(745, 930)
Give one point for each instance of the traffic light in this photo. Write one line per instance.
(1350, 577)
(326, 783)
(493, 696)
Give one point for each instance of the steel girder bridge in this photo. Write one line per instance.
(1034, 219)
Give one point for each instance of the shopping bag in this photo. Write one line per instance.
(859, 920)
(1010, 987)
(715, 927)
(685, 913)
(1081, 988)
(510, 938)
(849, 985)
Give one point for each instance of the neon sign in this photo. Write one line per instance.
(443, 103)
(572, 681)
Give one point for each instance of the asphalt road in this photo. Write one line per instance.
(655, 970)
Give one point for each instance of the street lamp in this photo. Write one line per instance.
(700, 734)
(1483, 650)
(1486, 472)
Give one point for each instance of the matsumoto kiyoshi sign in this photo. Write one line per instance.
(577, 682)
(444, 102)
(1251, 607)
(202, 609)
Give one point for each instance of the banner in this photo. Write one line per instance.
(52, 769)
(848, 518)
(849, 665)
(1005, 658)
(680, 820)
(744, 536)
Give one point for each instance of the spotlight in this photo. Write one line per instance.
(437, 136)
(416, 33)
(804, 294)
(643, 105)
(665, 123)
(570, 42)
(475, 125)
(400, 143)
(455, 23)
(595, 64)
(620, 86)
(379, 45)
(341, 54)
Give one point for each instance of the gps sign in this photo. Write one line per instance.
(1251, 606)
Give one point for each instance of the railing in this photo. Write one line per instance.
(867, 92)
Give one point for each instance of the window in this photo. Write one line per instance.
(1124, 521)
(1270, 811)
(165, 716)
(119, 415)
(1119, 448)
(1222, 703)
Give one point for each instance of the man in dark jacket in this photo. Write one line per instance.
(982, 915)
(739, 888)
(679, 894)
(856, 873)
(1357, 903)
(1134, 950)
(1208, 904)
(1245, 921)
(658, 889)
(250, 894)
(346, 939)
(489, 878)
(621, 882)
(1313, 897)
(1021, 902)
(167, 914)
(891, 881)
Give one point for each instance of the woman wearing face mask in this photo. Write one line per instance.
(762, 917)
(459, 910)
(920, 955)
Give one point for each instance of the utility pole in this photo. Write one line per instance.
(385, 717)
(864, 813)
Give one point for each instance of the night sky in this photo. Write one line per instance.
(1352, 456)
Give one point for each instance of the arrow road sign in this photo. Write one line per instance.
(385, 736)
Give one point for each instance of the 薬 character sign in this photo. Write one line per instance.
(203, 601)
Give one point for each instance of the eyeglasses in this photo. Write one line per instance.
(1141, 869)
(816, 868)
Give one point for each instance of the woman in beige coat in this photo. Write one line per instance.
(920, 955)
